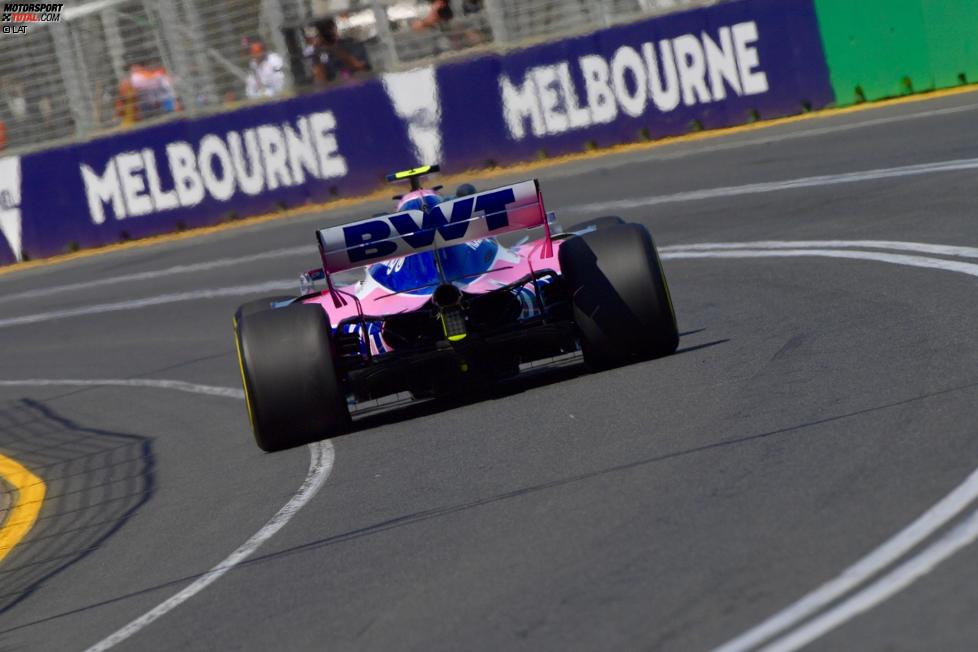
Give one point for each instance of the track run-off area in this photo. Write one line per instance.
(802, 474)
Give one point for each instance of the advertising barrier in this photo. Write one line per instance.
(702, 69)
(884, 48)
(191, 173)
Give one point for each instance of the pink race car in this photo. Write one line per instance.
(441, 307)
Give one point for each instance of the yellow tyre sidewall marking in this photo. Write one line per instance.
(244, 381)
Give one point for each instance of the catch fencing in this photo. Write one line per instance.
(704, 68)
(73, 79)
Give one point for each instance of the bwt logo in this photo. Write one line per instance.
(370, 239)
(692, 69)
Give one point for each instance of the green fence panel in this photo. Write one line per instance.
(951, 29)
(875, 48)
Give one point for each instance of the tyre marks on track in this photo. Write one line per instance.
(867, 583)
(321, 456)
(888, 569)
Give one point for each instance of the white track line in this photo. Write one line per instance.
(161, 299)
(971, 269)
(320, 465)
(775, 186)
(667, 252)
(962, 535)
(862, 571)
(178, 385)
(850, 579)
(675, 151)
(321, 456)
(891, 245)
(904, 541)
(156, 274)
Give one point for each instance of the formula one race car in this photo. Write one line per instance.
(443, 307)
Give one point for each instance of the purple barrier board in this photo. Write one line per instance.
(711, 67)
(191, 173)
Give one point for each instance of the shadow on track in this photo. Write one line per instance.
(558, 370)
(96, 479)
(416, 517)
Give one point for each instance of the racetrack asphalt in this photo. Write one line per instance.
(815, 408)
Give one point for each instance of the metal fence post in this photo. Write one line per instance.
(178, 64)
(68, 64)
(496, 15)
(275, 15)
(113, 39)
(604, 13)
(202, 72)
(384, 34)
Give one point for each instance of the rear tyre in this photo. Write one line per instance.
(620, 297)
(599, 222)
(259, 305)
(287, 368)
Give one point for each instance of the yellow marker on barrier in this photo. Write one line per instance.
(30, 491)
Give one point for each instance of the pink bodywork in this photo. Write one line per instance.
(370, 298)
(376, 300)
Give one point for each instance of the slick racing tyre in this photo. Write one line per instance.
(258, 305)
(291, 388)
(599, 223)
(620, 297)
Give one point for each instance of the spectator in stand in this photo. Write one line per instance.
(266, 77)
(439, 16)
(334, 57)
(147, 91)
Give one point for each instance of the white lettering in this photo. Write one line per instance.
(627, 60)
(663, 88)
(302, 153)
(331, 163)
(545, 77)
(273, 155)
(577, 115)
(748, 59)
(186, 179)
(102, 189)
(692, 69)
(600, 98)
(247, 169)
(129, 165)
(520, 103)
(162, 201)
(212, 147)
(722, 64)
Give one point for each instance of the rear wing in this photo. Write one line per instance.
(482, 215)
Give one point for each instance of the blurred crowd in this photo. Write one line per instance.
(336, 48)
(23, 119)
(146, 91)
